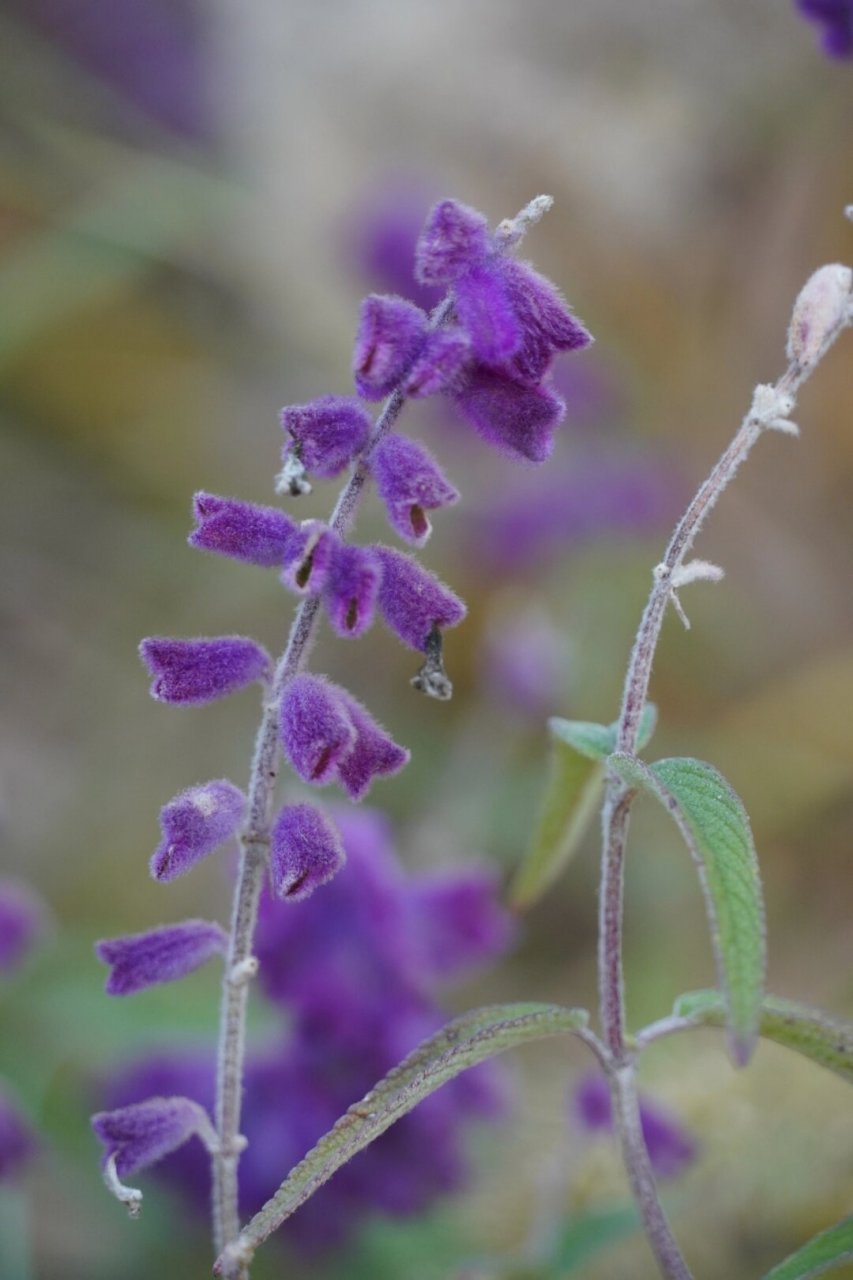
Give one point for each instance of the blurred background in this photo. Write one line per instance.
(193, 199)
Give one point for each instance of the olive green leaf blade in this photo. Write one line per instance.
(826, 1040)
(715, 828)
(463, 1043)
(571, 797)
(822, 1253)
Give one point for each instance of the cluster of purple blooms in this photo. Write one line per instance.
(22, 921)
(357, 965)
(835, 18)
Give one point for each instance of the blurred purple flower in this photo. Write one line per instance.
(525, 661)
(671, 1148)
(23, 919)
(836, 19)
(153, 54)
(355, 970)
(143, 1133)
(381, 239)
(17, 1141)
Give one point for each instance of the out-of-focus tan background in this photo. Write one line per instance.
(188, 200)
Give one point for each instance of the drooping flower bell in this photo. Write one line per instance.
(410, 483)
(143, 960)
(241, 530)
(391, 332)
(325, 435)
(202, 670)
(195, 823)
(305, 851)
(351, 588)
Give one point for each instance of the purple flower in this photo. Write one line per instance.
(22, 921)
(326, 434)
(390, 334)
(410, 483)
(836, 19)
(257, 535)
(545, 322)
(17, 1142)
(455, 238)
(485, 311)
(309, 557)
(142, 960)
(671, 1148)
(305, 851)
(519, 420)
(374, 754)
(437, 368)
(351, 588)
(201, 670)
(145, 1132)
(315, 728)
(194, 824)
(413, 601)
(381, 238)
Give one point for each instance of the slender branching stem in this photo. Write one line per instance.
(770, 410)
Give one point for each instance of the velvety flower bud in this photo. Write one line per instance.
(305, 851)
(485, 311)
(517, 419)
(546, 324)
(257, 535)
(836, 19)
(390, 334)
(410, 483)
(374, 754)
(204, 669)
(454, 239)
(309, 557)
(142, 960)
(823, 302)
(413, 601)
(671, 1148)
(327, 433)
(315, 728)
(17, 1142)
(443, 356)
(145, 1132)
(22, 920)
(194, 824)
(352, 586)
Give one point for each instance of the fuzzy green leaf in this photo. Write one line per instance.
(716, 830)
(572, 795)
(826, 1040)
(461, 1044)
(824, 1251)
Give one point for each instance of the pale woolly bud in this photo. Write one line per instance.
(696, 571)
(823, 304)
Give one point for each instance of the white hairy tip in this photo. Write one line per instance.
(696, 571)
(823, 305)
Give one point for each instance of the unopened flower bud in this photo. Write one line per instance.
(305, 851)
(241, 530)
(143, 960)
(454, 238)
(315, 728)
(390, 334)
(195, 823)
(413, 601)
(326, 434)
(204, 669)
(823, 304)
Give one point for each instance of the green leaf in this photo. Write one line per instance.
(716, 830)
(461, 1044)
(572, 795)
(827, 1041)
(824, 1251)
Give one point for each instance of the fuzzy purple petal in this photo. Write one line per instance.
(351, 589)
(390, 335)
(518, 420)
(23, 919)
(17, 1141)
(327, 433)
(437, 368)
(454, 239)
(309, 557)
(194, 824)
(305, 851)
(315, 728)
(545, 321)
(410, 483)
(142, 960)
(202, 670)
(374, 754)
(485, 311)
(241, 530)
(413, 601)
(145, 1132)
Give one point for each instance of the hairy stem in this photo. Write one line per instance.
(769, 410)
